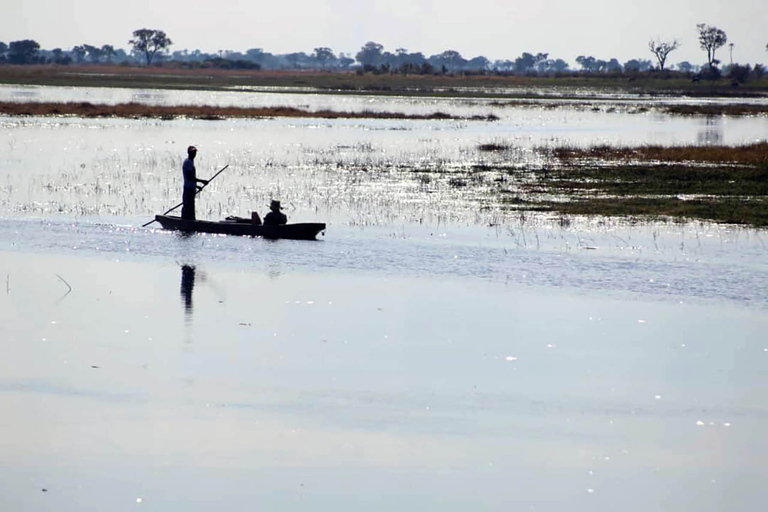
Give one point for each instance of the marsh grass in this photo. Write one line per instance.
(629, 107)
(717, 183)
(750, 154)
(205, 112)
(448, 85)
(752, 212)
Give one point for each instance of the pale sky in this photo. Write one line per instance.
(497, 29)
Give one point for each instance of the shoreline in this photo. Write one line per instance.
(350, 82)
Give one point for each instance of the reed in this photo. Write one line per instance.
(206, 112)
(751, 154)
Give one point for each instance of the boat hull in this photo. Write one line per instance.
(301, 231)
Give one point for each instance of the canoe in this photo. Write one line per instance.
(301, 231)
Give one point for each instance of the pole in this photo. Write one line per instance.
(181, 203)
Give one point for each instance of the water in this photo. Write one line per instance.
(424, 354)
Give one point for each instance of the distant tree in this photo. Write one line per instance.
(710, 39)
(79, 53)
(94, 52)
(739, 73)
(23, 52)
(345, 61)
(452, 60)
(660, 49)
(370, 54)
(121, 55)
(528, 62)
(108, 51)
(255, 54)
(613, 65)
(587, 63)
(685, 66)
(3, 51)
(524, 62)
(323, 55)
(637, 65)
(60, 57)
(550, 65)
(149, 42)
(479, 63)
(297, 60)
(449, 60)
(758, 71)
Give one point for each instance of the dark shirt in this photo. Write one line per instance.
(190, 176)
(275, 219)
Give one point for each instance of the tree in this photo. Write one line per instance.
(79, 53)
(149, 42)
(637, 65)
(613, 65)
(479, 63)
(710, 39)
(94, 52)
(449, 59)
(23, 52)
(587, 63)
(370, 54)
(108, 51)
(297, 60)
(323, 55)
(345, 60)
(661, 49)
(3, 50)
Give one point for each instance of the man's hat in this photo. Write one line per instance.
(191, 149)
(275, 205)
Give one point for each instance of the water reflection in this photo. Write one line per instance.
(711, 131)
(187, 286)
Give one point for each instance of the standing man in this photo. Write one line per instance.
(190, 184)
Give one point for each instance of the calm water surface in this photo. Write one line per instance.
(424, 354)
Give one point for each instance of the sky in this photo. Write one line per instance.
(496, 29)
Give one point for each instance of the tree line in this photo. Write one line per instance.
(151, 46)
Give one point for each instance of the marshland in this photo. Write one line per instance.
(560, 299)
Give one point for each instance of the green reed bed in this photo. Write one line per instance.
(715, 183)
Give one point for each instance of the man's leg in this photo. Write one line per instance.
(188, 208)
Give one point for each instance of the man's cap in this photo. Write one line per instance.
(191, 149)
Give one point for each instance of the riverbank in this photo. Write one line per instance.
(350, 82)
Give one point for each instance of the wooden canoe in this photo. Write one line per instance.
(302, 231)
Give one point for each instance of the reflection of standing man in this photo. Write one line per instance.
(187, 286)
(190, 184)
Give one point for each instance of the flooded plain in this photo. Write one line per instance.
(432, 351)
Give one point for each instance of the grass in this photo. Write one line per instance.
(726, 184)
(137, 110)
(750, 154)
(174, 77)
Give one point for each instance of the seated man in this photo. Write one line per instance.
(275, 217)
